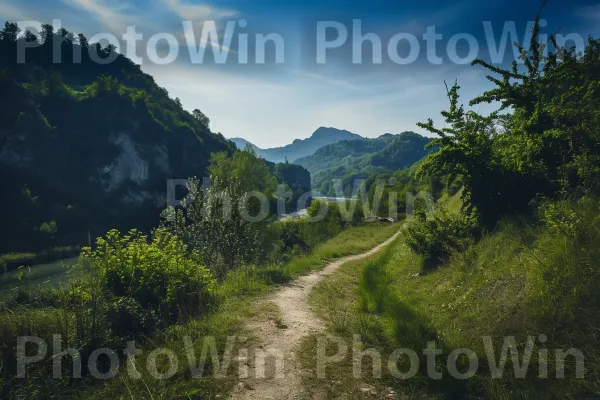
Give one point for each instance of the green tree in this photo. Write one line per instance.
(83, 42)
(10, 32)
(227, 222)
(203, 119)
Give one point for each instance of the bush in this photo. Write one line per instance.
(159, 277)
(439, 236)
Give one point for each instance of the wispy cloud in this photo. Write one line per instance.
(12, 13)
(114, 15)
(589, 12)
(194, 12)
(331, 81)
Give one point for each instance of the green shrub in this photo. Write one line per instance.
(439, 236)
(159, 277)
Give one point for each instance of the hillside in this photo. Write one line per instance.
(300, 147)
(85, 147)
(358, 159)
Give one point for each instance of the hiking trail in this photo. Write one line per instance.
(283, 334)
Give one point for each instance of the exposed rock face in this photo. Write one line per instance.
(90, 165)
(127, 166)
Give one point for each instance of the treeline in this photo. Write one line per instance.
(542, 146)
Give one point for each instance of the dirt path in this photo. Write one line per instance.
(283, 334)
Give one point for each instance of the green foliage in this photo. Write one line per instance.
(296, 180)
(230, 223)
(349, 160)
(218, 228)
(160, 277)
(200, 117)
(244, 169)
(48, 228)
(438, 237)
(67, 114)
(547, 147)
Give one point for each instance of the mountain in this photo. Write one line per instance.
(86, 147)
(300, 147)
(242, 143)
(358, 159)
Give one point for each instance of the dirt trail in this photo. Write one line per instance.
(284, 334)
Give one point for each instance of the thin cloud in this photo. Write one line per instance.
(116, 16)
(197, 11)
(12, 13)
(590, 12)
(331, 81)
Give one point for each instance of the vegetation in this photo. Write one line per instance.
(516, 261)
(110, 304)
(124, 134)
(351, 160)
(512, 263)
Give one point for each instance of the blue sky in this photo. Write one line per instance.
(272, 104)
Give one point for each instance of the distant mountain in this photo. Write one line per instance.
(358, 159)
(242, 143)
(300, 147)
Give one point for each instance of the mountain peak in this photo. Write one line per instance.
(323, 131)
(301, 147)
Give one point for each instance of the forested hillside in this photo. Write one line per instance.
(359, 159)
(86, 146)
(89, 146)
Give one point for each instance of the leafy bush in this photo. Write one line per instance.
(439, 236)
(159, 277)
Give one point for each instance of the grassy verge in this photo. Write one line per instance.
(238, 293)
(501, 287)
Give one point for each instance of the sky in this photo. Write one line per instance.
(364, 66)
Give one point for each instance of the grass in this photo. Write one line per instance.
(237, 293)
(518, 281)
(12, 261)
(350, 241)
(41, 274)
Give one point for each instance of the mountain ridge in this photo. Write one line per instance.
(358, 159)
(299, 148)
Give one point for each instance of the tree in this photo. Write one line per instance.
(203, 119)
(225, 223)
(10, 32)
(30, 37)
(83, 42)
(249, 171)
(47, 33)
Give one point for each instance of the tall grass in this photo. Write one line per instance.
(520, 280)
